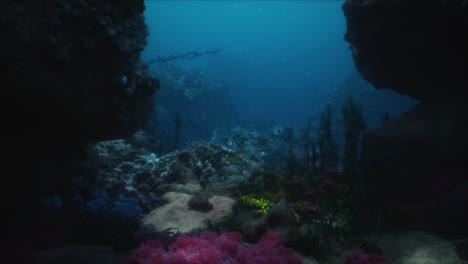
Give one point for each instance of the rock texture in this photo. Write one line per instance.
(80, 254)
(135, 172)
(415, 165)
(177, 215)
(70, 74)
(63, 68)
(279, 219)
(418, 48)
(407, 247)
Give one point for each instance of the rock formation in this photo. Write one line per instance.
(70, 74)
(176, 215)
(72, 69)
(416, 164)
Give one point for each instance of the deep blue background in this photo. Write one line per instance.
(283, 60)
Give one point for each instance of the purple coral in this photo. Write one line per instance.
(329, 184)
(268, 251)
(314, 211)
(309, 195)
(209, 248)
(361, 257)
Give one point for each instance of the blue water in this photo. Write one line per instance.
(282, 60)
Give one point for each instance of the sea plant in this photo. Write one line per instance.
(328, 147)
(354, 126)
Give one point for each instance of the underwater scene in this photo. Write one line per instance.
(235, 131)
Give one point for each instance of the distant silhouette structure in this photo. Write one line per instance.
(187, 55)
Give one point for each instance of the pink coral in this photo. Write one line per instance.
(208, 248)
(268, 251)
(360, 257)
(148, 253)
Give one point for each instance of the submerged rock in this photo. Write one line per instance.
(415, 166)
(62, 71)
(200, 202)
(80, 254)
(279, 219)
(64, 62)
(462, 250)
(418, 48)
(407, 247)
(176, 215)
(202, 167)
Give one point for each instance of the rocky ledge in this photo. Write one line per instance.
(72, 69)
(415, 165)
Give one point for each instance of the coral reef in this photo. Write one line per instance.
(135, 172)
(259, 205)
(360, 257)
(208, 248)
(279, 219)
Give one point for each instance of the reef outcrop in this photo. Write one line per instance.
(177, 214)
(416, 48)
(200, 168)
(72, 69)
(414, 165)
(70, 74)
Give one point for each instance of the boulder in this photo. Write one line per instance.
(71, 73)
(462, 250)
(177, 215)
(80, 254)
(418, 48)
(200, 202)
(73, 70)
(408, 247)
(416, 165)
(279, 219)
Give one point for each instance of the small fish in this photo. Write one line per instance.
(124, 79)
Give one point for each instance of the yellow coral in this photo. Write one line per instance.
(259, 205)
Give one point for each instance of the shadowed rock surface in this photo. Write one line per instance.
(63, 64)
(418, 48)
(71, 74)
(176, 214)
(415, 165)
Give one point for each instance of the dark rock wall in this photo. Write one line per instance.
(63, 64)
(415, 166)
(418, 48)
(70, 74)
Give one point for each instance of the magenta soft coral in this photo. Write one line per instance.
(268, 251)
(360, 257)
(208, 248)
